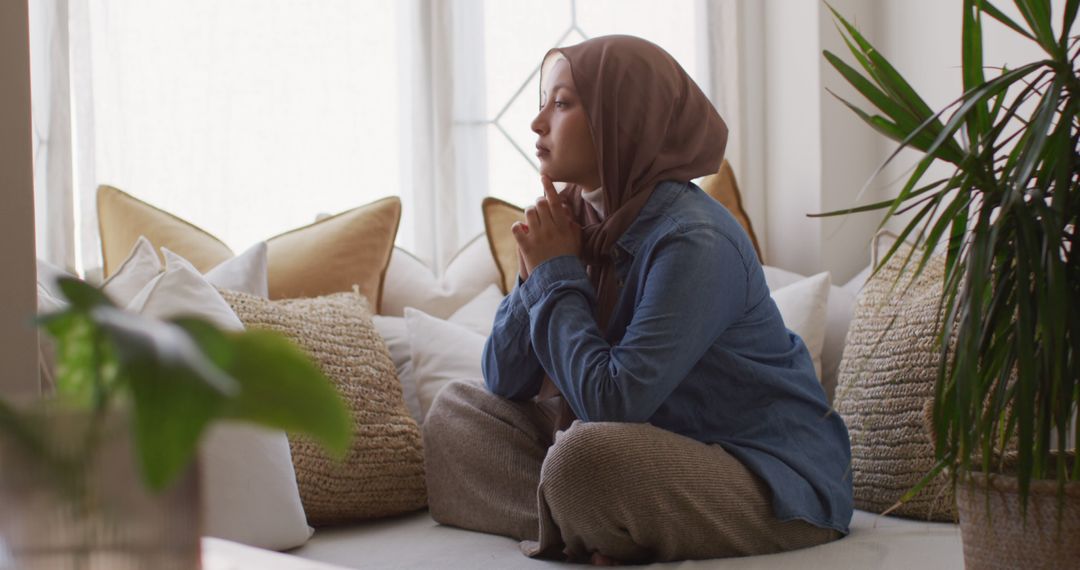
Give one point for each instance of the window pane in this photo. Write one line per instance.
(518, 35)
(247, 117)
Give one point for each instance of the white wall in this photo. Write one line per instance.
(18, 340)
(922, 40)
(818, 154)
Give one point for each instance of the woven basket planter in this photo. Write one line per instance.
(996, 534)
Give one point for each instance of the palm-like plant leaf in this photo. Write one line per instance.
(1008, 221)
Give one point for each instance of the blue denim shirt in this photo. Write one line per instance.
(697, 347)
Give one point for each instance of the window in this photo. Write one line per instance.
(519, 33)
(246, 117)
(251, 117)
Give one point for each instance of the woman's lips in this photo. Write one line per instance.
(541, 150)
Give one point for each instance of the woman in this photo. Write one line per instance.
(688, 421)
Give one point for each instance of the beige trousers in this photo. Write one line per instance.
(633, 492)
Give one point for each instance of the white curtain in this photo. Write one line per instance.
(735, 59)
(442, 48)
(52, 135)
(250, 117)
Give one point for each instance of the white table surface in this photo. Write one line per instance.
(219, 554)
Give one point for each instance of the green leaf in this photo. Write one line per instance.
(972, 58)
(1037, 15)
(888, 77)
(176, 390)
(282, 388)
(82, 295)
(1000, 16)
(1067, 20)
(172, 408)
(137, 338)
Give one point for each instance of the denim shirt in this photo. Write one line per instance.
(695, 345)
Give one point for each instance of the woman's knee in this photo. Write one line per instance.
(581, 461)
(451, 405)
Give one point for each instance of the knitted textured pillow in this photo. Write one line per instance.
(886, 383)
(383, 473)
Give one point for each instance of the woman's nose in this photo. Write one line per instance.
(539, 124)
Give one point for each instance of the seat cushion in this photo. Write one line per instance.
(417, 541)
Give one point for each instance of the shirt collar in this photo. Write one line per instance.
(660, 200)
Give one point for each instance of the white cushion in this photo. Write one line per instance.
(49, 300)
(141, 266)
(249, 486)
(837, 320)
(245, 273)
(182, 290)
(441, 351)
(775, 278)
(396, 336)
(411, 283)
(478, 315)
(803, 307)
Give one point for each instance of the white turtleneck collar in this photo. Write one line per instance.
(595, 198)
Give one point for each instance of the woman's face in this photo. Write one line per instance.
(565, 146)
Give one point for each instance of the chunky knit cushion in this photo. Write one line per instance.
(885, 387)
(383, 473)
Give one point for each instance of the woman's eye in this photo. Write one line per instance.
(560, 104)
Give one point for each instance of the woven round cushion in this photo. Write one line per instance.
(885, 386)
(383, 472)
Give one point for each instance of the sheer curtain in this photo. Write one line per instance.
(251, 117)
(52, 134)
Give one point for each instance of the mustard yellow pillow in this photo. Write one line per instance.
(498, 217)
(724, 189)
(328, 256)
(122, 218)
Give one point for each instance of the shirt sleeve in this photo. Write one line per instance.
(695, 287)
(510, 366)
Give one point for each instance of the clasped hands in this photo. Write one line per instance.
(549, 231)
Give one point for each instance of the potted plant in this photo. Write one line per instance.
(1006, 220)
(101, 474)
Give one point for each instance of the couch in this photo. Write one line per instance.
(467, 291)
(416, 541)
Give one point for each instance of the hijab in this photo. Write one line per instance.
(650, 123)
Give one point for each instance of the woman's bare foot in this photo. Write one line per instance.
(601, 560)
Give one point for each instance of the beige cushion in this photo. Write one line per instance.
(724, 189)
(886, 382)
(498, 217)
(383, 472)
(122, 218)
(329, 256)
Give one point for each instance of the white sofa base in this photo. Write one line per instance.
(417, 541)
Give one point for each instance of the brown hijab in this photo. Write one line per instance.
(650, 123)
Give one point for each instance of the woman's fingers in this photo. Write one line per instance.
(519, 230)
(532, 218)
(560, 212)
(549, 188)
(545, 213)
